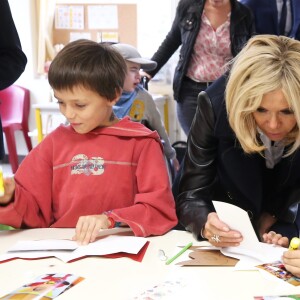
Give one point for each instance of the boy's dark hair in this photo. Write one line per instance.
(93, 66)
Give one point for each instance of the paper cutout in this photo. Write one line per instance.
(202, 257)
(137, 257)
(112, 246)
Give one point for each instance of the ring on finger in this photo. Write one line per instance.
(216, 238)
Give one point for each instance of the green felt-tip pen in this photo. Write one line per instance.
(179, 253)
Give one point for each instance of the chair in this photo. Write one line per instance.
(14, 111)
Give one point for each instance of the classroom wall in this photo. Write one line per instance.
(24, 15)
(153, 25)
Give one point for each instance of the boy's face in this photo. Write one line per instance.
(84, 109)
(133, 76)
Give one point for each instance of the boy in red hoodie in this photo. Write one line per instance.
(98, 171)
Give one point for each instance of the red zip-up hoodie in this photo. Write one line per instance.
(120, 169)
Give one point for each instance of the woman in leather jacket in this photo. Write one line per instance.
(244, 150)
(189, 29)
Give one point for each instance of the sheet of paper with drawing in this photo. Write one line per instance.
(251, 251)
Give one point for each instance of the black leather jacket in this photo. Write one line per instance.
(184, 32)
(216, 168)
(12, 58)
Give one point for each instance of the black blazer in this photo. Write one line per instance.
(266, 16)
(12, 58)
(216, 168)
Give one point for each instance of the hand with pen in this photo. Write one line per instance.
(290, 258)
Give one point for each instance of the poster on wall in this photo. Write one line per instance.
(80, 35)
(110, 37)
(103, 17)
(69, 17)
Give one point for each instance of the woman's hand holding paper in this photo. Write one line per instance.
(219, 234)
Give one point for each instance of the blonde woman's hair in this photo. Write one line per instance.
(265, 64)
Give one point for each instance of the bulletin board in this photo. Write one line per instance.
(98, 22)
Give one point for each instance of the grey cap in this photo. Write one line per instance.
(131, 54)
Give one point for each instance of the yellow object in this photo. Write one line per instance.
(38, 119)
(294, 244)
(1, 183)
(137, 110)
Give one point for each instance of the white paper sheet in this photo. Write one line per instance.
(237, 219)
(251, 251)
(67, 250)
(41, 245)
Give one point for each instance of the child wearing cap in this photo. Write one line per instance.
(97, 172)
(137, 102)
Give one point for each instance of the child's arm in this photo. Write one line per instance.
(28, 197)
(154, 119)
(153, 209)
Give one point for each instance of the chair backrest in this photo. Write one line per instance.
(15, 104)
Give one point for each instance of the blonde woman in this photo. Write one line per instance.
(245, 150)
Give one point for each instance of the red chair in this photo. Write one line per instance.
(14, 111)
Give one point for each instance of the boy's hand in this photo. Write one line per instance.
(88, 227)
(275, 238)
(9, 190)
